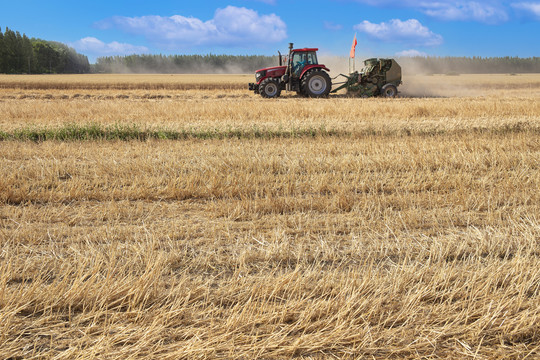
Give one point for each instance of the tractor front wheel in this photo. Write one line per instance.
(389, 91)
(269, 88)
(316, 84)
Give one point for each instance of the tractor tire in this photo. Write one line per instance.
(389, 91)
(269, 88)
(316, 84)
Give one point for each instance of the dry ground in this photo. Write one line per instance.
(412, 230)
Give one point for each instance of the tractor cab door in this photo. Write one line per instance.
(301, 59)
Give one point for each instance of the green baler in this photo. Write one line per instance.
(379, 77)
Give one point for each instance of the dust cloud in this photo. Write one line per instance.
(422, 80)
(118, 68)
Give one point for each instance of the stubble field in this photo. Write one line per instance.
(180, 217)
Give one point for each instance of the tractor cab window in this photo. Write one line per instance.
(301, 59)
(298, 62)
(312, 58)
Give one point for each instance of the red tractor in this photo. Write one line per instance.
(302, 74)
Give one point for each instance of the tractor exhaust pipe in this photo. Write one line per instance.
(289, 67)
(291, 45)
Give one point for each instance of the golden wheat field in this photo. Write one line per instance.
(291, 228)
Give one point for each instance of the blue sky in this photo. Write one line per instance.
(383, 27)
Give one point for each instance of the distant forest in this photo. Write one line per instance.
(178, 64)
(21, 55)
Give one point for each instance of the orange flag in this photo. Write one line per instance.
(353, 47)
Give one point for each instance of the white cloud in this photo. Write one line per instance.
(466, 11)
(485, 11)
(411, 53)
(97, 47)
(528, 8)
(409, 31)
(230, 26)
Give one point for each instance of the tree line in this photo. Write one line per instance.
(22, 55)
(200, 64)
(179, 64)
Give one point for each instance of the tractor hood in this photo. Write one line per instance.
(274, 70)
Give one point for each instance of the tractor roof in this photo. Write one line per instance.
(305, 49)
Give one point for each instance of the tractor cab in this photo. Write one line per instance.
(302, 58)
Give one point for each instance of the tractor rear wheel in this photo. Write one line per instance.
(389, 91)
(269, 88)
(316, 84)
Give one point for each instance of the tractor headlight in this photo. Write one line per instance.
(259, 75)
